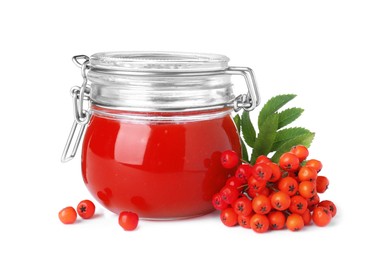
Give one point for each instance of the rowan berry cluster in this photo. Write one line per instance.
(271, 196)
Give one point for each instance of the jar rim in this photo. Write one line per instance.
(159, 116)
(158, 61)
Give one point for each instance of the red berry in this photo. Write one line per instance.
(289, 162)
(68, 215)
(234, 182)
(86, 209)
(128, 220)
(259, 223)
(229, 217)
(329, 205)
(229, 159)
(300, 151)
(261, 204)
(276, 173)
(229, 194)
(288, 185)
(280, 200)
(244, 221)
(306, 217)
(262, 159)
(317, 165)
(307, 189)
(298, 204)
(322, 184)
(313, 202)
(262, 172)
(307, 173)
(218, 202)
(255, 186)
(321, 216)
(277, 220)
(243, 206)
(265, 191)
(244, 171)
(295, 222)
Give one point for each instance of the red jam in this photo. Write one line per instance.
(160, 170)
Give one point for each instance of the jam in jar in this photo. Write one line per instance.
(155, 129)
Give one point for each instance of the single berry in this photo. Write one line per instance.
(306, 216)
(276, 173)
(289, 162)
(321, 216)
(294, 222)
(277, 220)
(298, 204)
(307, 189)
(307, 173)
(229, 194)
(313, 202)
(86, 209)
(322, 184)
(243, 172)
(218, 202)
(262, 172)
(244, 221)
(229, 159)
(280, 200)
(68, 215)
(329, 205)
(262, 159)
(317, 165)
(301, 152)
(288, 185)
(255, 186)
(261, 204)
(128, 220)
(229, 217)
(234, 182)
(259, 223)
(243, 206)
(265, 191)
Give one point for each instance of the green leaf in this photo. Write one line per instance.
(272, 106)
(237, 122)
(288, 116)
(266, 137)
(304, 139)
(287, 134)
(245, 155)
(248, 130)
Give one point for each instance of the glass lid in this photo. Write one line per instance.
(158, 61)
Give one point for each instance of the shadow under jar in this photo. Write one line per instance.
(155, 129)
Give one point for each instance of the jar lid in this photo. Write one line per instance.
(160, 81)
(158, 61)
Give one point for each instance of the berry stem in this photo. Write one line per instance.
(245, 162)
(271, 186)
(245, 186)
(285, 174)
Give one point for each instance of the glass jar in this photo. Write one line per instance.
(156, 126)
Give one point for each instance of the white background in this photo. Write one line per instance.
(329, 53)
